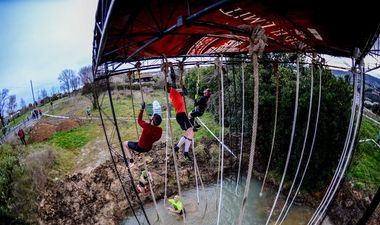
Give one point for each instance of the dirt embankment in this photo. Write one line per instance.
(96, 196)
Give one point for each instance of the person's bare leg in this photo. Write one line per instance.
(189, 133)
(126, 150)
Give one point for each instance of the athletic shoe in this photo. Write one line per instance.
(130, 165)
(195, 129)
(187, 158)
(176, 151)
(197, 125)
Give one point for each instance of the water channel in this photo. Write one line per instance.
(201, 207)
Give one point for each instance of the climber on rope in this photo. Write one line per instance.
(143, 186)
(150, 134)
(202, 106)
(182, 120)
(177, 205)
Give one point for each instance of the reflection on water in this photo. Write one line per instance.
(205, 210)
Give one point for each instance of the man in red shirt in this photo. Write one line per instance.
(21, 134)
(150, 134)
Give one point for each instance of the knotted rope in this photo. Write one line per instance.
(257, 41)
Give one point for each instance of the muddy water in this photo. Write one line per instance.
(202, 207)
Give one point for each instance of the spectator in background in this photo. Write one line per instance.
(88, 111)
(40, 111)
(36, 113)
(21, 134)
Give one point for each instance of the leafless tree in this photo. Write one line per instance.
(23, 105)
(75, 82)
(53, 91)
(3, 101)
(85, 74)
(90, 88)
(65, 77)
(12, 104)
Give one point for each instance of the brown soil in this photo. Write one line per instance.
(43, 130)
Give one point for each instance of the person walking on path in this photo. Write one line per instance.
(88, 111)
(150, 134)
(201, 106)
(176, 203)
(21, 134)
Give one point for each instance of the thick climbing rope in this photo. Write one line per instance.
(130, 175)
(219, 63)
(129, 74)
(164, 68)
(257, 40)
(344, 160)
(275, 71)
(302, 151)
(243, 65)
(137, 65)
(312, 144)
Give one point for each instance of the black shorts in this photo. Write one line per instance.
(183, 121)
(196, 113)
(134, 146)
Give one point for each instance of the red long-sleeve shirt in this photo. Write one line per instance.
(150, 133)
(177, 100)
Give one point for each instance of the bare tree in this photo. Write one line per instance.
(23, 105)
(53, 91)
(65, 77)
(90, 88)
(85, 74)
(12, 104)
(74, 82)
(3, 100)
(62, 88)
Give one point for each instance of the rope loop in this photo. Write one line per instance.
(129, 74)
(138, 66)
(257, 38)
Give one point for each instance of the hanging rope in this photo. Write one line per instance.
(312, 145)
(302, 151)
(216, 70)
(243, 65)
(164, 67)
(291, 140)
(137, 66)
(219, 63)
(275, 71)
(257, 40)
(345, 157)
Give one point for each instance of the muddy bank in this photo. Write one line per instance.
(98, 197)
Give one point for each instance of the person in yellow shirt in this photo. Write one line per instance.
(176, 203)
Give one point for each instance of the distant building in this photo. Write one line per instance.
(144, 78)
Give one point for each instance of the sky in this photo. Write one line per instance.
(40, 39)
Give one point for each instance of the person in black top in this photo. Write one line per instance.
(201, 106)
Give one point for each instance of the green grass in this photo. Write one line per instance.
(73, 139)
(365, 167)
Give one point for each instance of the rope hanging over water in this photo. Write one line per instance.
(243, 65)
(257, 40)
(275, 71)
